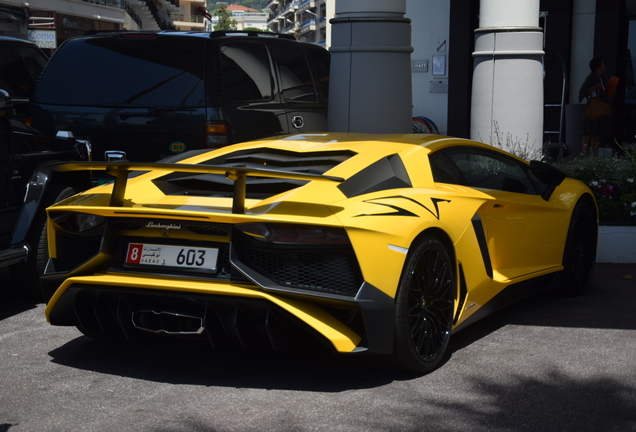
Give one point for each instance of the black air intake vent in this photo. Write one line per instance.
(216, 185)
(311, 162)
(327, 269)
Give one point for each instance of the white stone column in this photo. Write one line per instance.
(507, 95)
(370, 83)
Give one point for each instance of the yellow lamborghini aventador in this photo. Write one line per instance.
(365, 243)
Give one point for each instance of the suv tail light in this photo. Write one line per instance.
(217, 134)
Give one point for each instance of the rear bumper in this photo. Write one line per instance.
(231, 314)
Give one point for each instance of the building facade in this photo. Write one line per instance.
(48, 23)
(307, 20)
(574, 32)
(443, 41)
(189, 16)
(244, 17)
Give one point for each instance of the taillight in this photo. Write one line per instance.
(283, 233)
(77, 222)
(217, 134)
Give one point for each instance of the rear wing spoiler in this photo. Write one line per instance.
(238, 174)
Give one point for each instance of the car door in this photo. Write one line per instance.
(523, 231)
(18, 158)
(142, 95)
(5, 225)
(21, 63)
(302, 91)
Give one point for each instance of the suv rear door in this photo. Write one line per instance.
(156, 94)
(245, 93)
(22, 149)
(304, 78)
(21, 64)
(142, 93)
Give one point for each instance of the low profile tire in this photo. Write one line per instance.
(27, 274)
(424, 307)
(579, 256)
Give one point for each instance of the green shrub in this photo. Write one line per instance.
(613, 182)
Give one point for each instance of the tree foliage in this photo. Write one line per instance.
(225, 20)
(254, 4)
(256, 29)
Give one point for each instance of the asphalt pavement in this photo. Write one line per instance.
(548, 363)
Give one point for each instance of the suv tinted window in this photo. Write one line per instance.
(33, 59)
(119, 71)
(10, 72)
(247, 73)
(297, 84)
(14, 78)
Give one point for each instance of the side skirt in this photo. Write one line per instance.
(512, 294)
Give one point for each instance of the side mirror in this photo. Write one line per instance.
(548, 175)
(6, 104)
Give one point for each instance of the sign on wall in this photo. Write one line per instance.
(43, 38)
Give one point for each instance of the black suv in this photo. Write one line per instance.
(27, 188)
(21, 63)
(155, 94)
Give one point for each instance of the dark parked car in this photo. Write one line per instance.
(21, 63)
(156, 94)
(27, 188)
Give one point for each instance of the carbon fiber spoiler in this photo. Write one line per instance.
(238, 174)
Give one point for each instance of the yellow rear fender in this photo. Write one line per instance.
(382, 228)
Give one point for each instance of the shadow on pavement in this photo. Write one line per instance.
(551, 401)
(609, 303)
(11, 303)
(195, 362)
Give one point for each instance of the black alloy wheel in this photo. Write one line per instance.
(579, 257)
(424, 307)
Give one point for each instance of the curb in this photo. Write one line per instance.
(616, 245)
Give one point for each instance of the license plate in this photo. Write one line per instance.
(184, 257)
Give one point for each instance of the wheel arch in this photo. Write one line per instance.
(424, 310)
(579, 257)
(589, 198)
(461, 290)
(443, 237)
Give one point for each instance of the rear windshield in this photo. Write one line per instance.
(164, 71)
